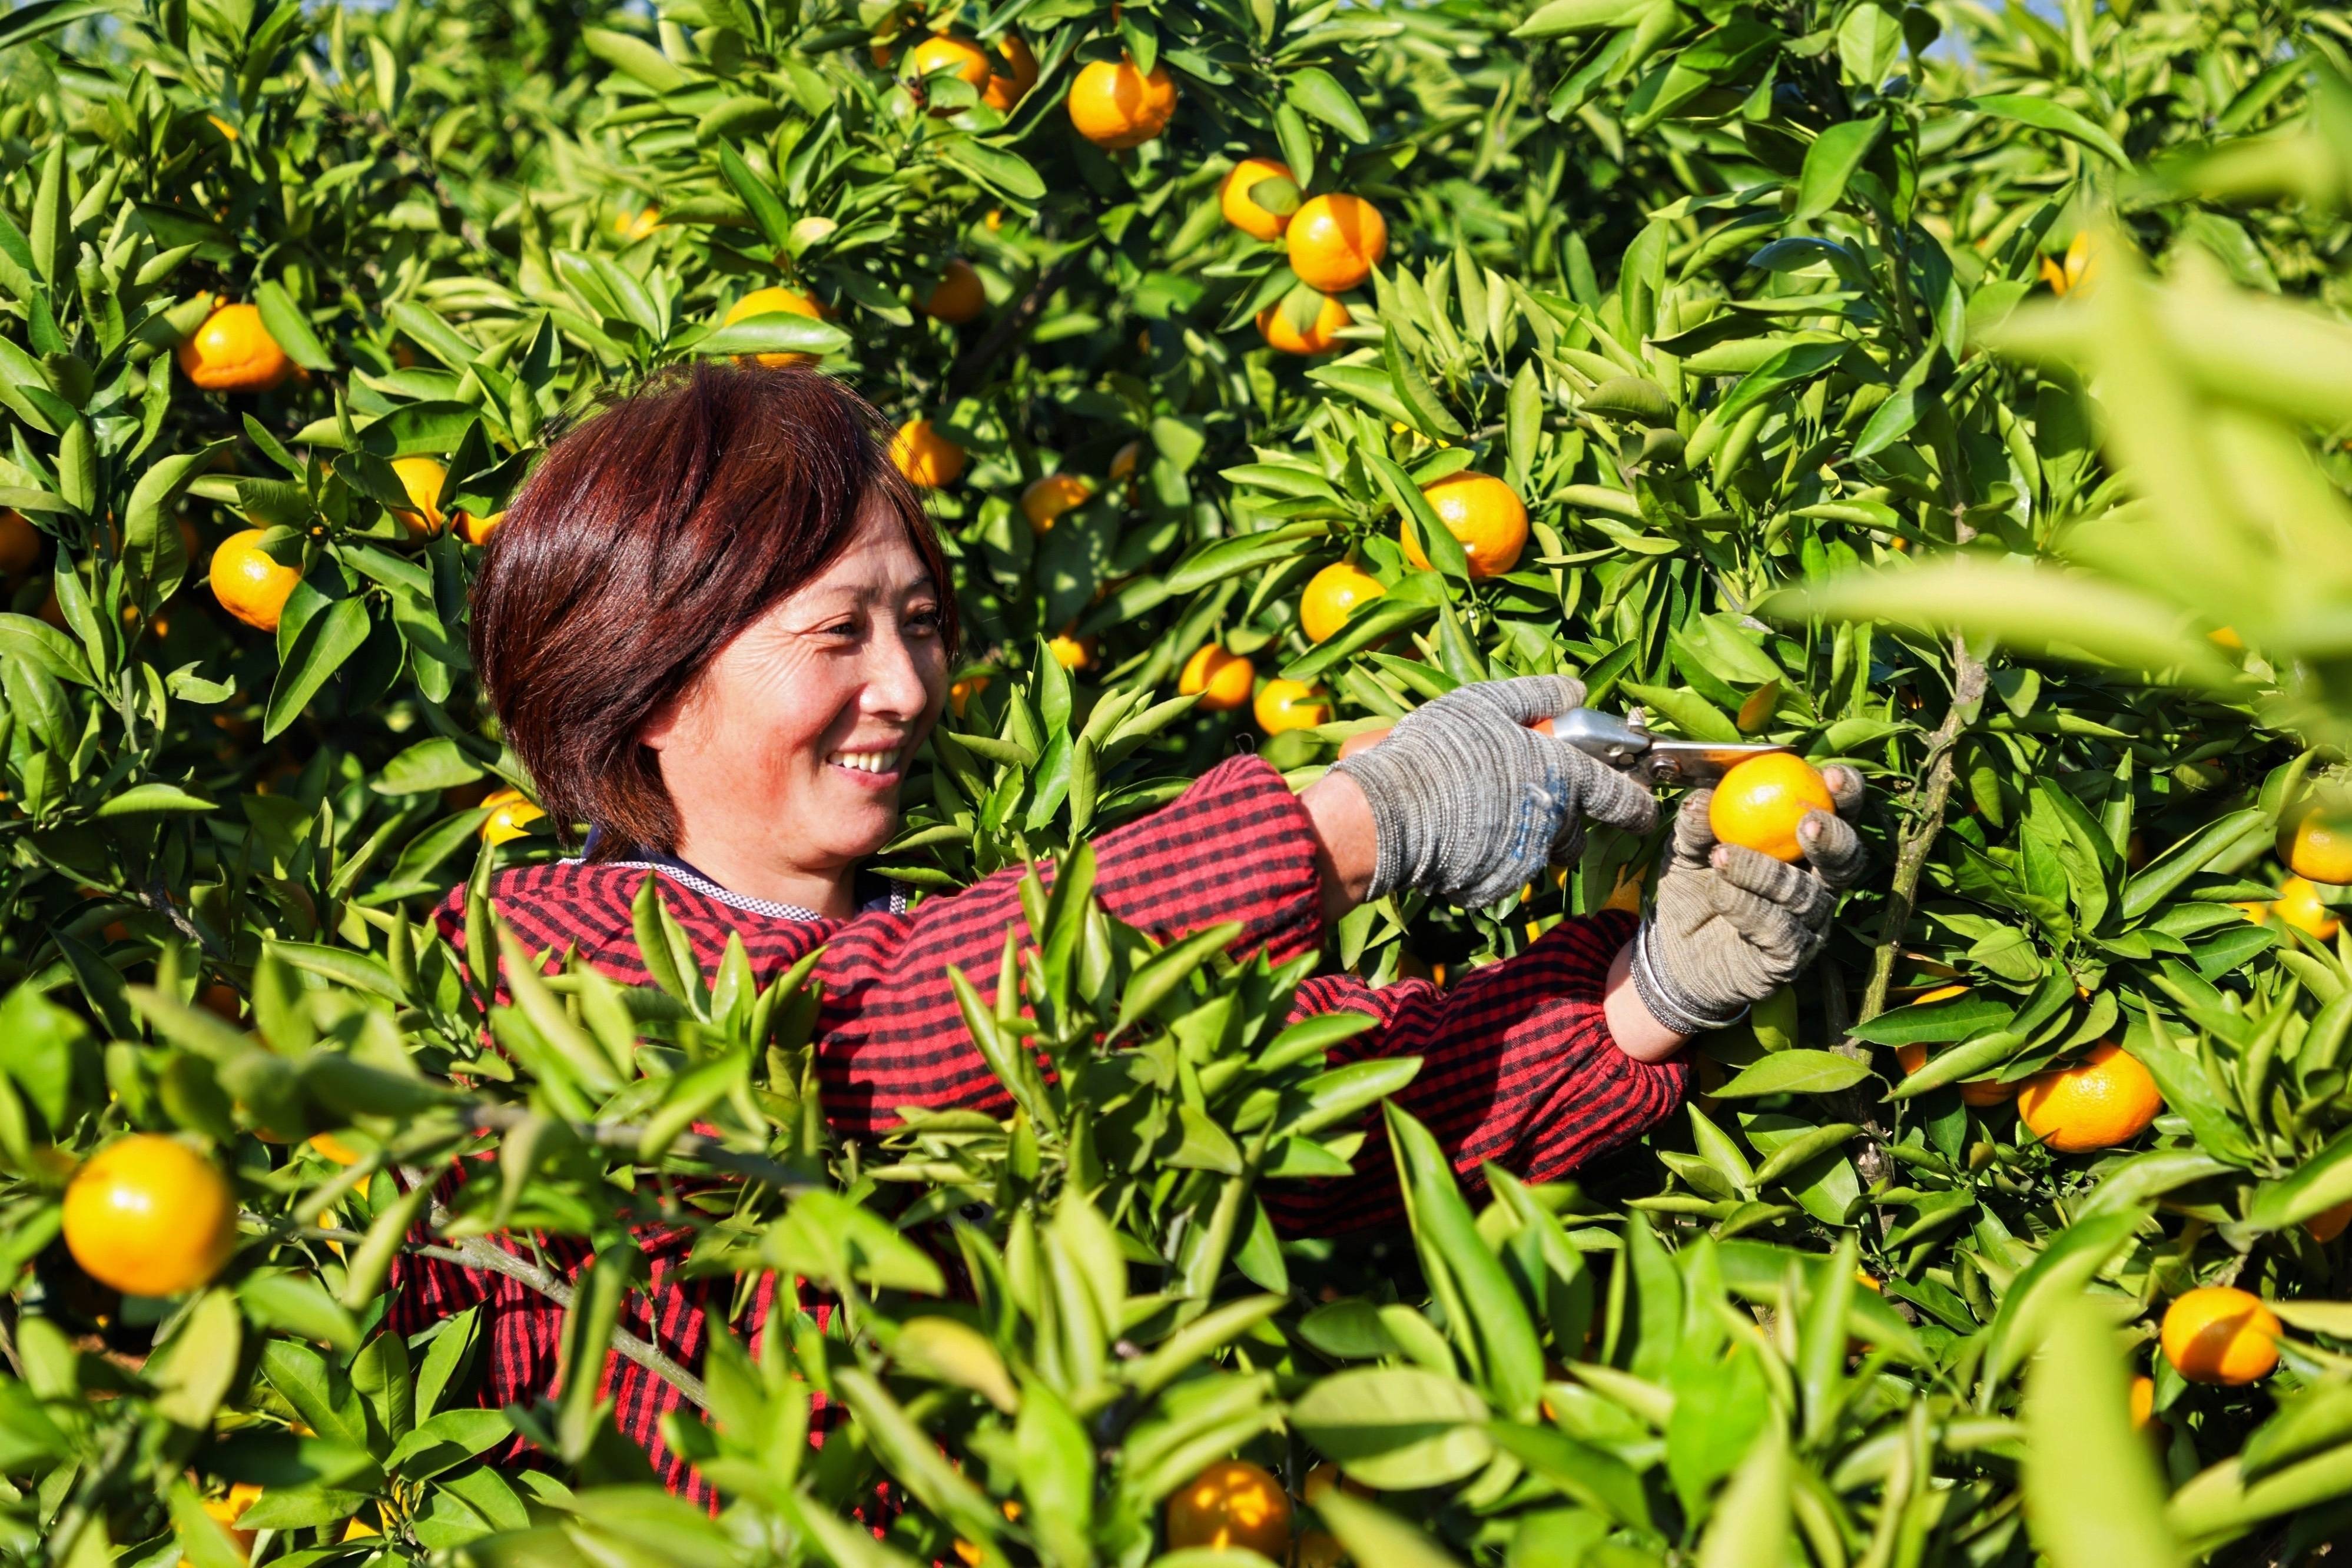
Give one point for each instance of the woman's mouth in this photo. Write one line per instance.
(881, 767)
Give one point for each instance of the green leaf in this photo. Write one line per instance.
(635, 56)
(1316, 93)
(1372, 1534)
(767, 209)
(1396, 1428)
(998, 168)
(153, 799)
(286, 323)
(2068, 1263)
(1797, 1071)
(2093, 1496)
(776, 332)
(2044, 115)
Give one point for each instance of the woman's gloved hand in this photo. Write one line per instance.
(1469, 803)
(1731, 926)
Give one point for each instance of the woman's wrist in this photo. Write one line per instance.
(1346, 845)
(1635, 1029)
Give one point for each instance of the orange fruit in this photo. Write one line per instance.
(1003, 91)
(222, 1001)
(150, 1217)
(511, 814)
(1073, 652)
(1319, 337)
(1484, 513)
(2105, 1099)
(941, 52)
(476, 531)
(1243, 213)
(1759, 803)
(2218, 1333)
(1223, 679)
(2315, 841)
(233, 351)
(960, 694)
(20, 545)
(333, 1148)
(1330, 594)
(1044, 502)
(1115, 106)
(958, 297)
(2328, 1223)
(1975, 1091)
(249, 583)
(1319, 1548)
(1233, 1503)
(1291, 705)
(2298, 905)
(1335, 241)
(226, 1512)
(1124, 463)
(925, 457)
(636, 225)
(422, 477)
(2143, 1403)
(774, 302)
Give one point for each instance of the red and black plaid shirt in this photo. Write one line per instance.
(1519, 1067)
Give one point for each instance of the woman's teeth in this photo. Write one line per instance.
(866, 762)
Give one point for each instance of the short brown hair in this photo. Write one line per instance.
(647, 539)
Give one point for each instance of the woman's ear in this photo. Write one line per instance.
(665, 728)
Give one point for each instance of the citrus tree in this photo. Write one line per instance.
(1959, 397)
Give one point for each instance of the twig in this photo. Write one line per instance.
(1009, 326)
(474, 1252)
(78, 1514)
(1911, 859)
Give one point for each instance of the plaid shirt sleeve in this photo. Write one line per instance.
(1518, 1070)
(1518, 1065)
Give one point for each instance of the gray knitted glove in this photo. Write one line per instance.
(1730, 925)
(1469, 804)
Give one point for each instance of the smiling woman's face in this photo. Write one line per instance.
(784, 757)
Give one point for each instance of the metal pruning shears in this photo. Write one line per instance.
(1627, 746)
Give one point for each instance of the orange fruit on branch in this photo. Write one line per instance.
(942, 52)
(1073, 652)
(476, 531)
(150, 1217)
(958, 297)
(2315, 839)
(1044, 502)
(233, 351)
(775, 301)
(1241, 209)
(1482, 512)
(1231, 1504)
(2298, 905)
(925, 457)
(20, 545)
(251, 584)
(1330, 595)
(511, 814)
(1335, 241)
(1758, 804)
(2328, 1223)
(1284, 705)
(1320, 336)
(1020, 74)
(2218, 1333)
(1222, 678)
(422, 477)
(1115, 106)
(2107, 1098)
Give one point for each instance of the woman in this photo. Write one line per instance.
(716, 626)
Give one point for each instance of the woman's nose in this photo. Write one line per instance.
(896, 683)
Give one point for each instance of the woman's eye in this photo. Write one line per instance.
(925, 620)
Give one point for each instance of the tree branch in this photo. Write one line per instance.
(474, 1252)
(1010, 326)
(625, 1137)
